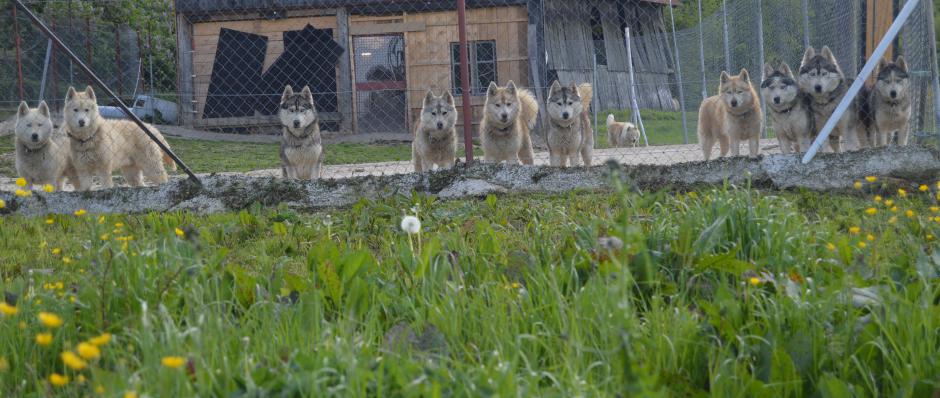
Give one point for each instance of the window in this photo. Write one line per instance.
(482, 56)
(597, 35)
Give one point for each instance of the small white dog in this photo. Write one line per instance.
(42, 151)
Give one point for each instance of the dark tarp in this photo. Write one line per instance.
(236, 74)
(309, 59)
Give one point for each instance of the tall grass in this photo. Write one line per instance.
(722, 292)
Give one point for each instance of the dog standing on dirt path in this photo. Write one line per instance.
(509, 115)
(886, 108)
(788, 109)
(100, 146)
(621, 134)
(42, 151)
(732, 116)
(301, 144)
(822, 79)
(435, 142)
(569, 135)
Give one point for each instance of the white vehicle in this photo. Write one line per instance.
(148, 108)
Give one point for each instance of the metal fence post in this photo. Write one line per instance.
(805, 23)
(760, 49)
(596, 103)
(935, 75)
(675, 46)
(465, 81)
(637, 117)
(724, 27)
(867, 70)
(701, 51)
(19, 61)
(45, 71)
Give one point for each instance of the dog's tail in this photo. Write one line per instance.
(587, 94)
(167, 160)
(530, 108)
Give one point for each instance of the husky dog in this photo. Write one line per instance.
(621, 134)
(301, 145)
(886, 108)
(42, 151)
(732, 116)
(788, 108)
(569, 135)
(509, 116)
(822, 79)
(100, 146)
(436, 135)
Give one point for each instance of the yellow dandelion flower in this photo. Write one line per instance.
(870, 237)
(754, 281)
(892, 220)
(831, 247)
(56, 251)
(7, 309)
(101, 339)
(4, 365)
(50, 221)
(72, 299)
(59, 285)
(909, 213)
(862, 245)
(871, 178)
(934, 209)
(923, 188)
(21, 193)
(3, 204)
(173, 362)
(858, 185)
(21, 182)
(854, 230)
(80, 379)
(130, 394)
(73, 361)
(99, 389)
(516, 285)
(902, 193)
(105, 236)
(871, 211)
(930, 238)
(50, 320)
(878, 198)
(100, 220)
(889, 202)
(894, 209)
(88, 351)
(66, 260)
(179, 232)
(44, 339)
(80, 212)
(118, 225)
(48, 188)
(22, 325)
(937, 219)
(58, 380)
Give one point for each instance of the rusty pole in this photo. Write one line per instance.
(465, 81)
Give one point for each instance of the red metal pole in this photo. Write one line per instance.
(465, 81)
(19, 61)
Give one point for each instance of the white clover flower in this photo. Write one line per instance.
(411, 224)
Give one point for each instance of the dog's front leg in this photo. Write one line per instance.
(754, 145)
(903, 134)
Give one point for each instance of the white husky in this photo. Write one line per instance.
(42, 151)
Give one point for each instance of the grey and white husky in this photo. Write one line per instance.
(42, 150)
(301, 144)
(822, 79)
(569, 135)
(886, 108)
(788, 108)
(435, 139)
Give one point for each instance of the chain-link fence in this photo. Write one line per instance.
(369, 65)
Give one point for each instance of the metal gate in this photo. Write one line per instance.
(381, 89)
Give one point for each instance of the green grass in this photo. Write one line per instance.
(662, 128)
(507, 296)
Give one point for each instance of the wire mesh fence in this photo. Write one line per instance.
(215, 72)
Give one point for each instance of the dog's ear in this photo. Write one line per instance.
(785, 69)
(449, 97)
(768, 70)
(43, 108)
(882, 63)
(574, 89)
(306, 94)
(511, 88)
(90, 93)
(901, 63)
(288, 91)
(491, 90)
(555, 87)
(428, 97)
(725, 77)
(827, 54)
(744, 75)
(70, 95)
(808, 55)
(23, 110)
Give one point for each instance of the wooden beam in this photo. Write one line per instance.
(385, 28)
(344, 93)
(223, 16)
(184, 42)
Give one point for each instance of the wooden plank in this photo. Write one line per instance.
(184, 41)
(386, 28)
(344, 95)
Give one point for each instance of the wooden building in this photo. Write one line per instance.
(235, 54)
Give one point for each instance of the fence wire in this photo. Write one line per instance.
(216, 70)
